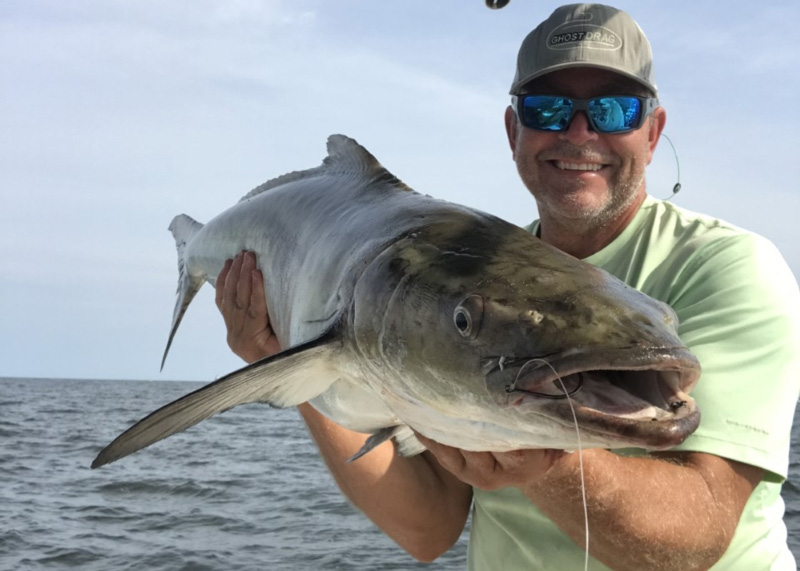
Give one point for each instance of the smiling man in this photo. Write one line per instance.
(583, 125)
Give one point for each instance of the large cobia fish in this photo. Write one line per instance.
(398, 310)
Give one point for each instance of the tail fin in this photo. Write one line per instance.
(183, 229)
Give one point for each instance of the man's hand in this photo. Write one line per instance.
(494, 470)
(240, 299)
(698, 497)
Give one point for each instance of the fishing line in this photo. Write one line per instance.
(580, 460)
(513, 386)
(677, 186)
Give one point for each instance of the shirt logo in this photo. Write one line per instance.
(580, 31)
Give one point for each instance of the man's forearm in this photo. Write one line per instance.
(648, 513)
(413, 500)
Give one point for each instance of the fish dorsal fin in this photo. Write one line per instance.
(344, 155)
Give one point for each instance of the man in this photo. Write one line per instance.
(583, 125)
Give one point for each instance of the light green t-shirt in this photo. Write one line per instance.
(739, 310)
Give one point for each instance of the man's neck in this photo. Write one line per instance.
(583, 240)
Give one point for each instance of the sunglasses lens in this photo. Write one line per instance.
(546, 112)
(615, 114)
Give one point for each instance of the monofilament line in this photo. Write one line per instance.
(580, 462)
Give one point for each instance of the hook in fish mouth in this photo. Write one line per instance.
(565, 394)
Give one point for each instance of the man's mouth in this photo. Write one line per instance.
(567, 166)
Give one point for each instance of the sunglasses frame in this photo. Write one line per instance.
(648, 104)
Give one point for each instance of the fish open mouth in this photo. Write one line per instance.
(633, 398)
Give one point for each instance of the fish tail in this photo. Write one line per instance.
(183, 229)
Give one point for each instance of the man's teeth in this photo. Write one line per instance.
(577, 167)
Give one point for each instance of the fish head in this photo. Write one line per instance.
(516, 333)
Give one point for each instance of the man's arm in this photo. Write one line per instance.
(416, 502)
(674, 511)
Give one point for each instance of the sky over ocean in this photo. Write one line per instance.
(118, 115)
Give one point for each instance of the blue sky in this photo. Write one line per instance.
(117, 115)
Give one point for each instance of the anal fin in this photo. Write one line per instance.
(405, 441)
(375, 439)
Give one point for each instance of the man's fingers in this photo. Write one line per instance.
(242, 303)
(231, 288)
(450, 458)
(223, 275)
(245, 283)
(493, 470)
(258, 301)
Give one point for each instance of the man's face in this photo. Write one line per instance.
(579, 175)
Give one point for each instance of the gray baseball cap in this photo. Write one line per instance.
(586, 35)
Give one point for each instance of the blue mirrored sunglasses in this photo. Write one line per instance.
(607, 114)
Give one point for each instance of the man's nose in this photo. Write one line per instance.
(579, 130)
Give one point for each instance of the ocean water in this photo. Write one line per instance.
(243, 490)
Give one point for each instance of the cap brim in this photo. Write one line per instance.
(515, 87)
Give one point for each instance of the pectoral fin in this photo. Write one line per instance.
(286, 379)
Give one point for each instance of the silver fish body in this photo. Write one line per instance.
(399, 311)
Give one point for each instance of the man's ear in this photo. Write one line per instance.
(512, 126)
(657, 123)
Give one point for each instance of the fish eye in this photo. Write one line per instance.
(463, 321)
(468, 315)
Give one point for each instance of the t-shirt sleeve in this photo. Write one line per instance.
(739, 310)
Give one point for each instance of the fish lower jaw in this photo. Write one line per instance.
(628, 408)
(648, 433)
(648, 413)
